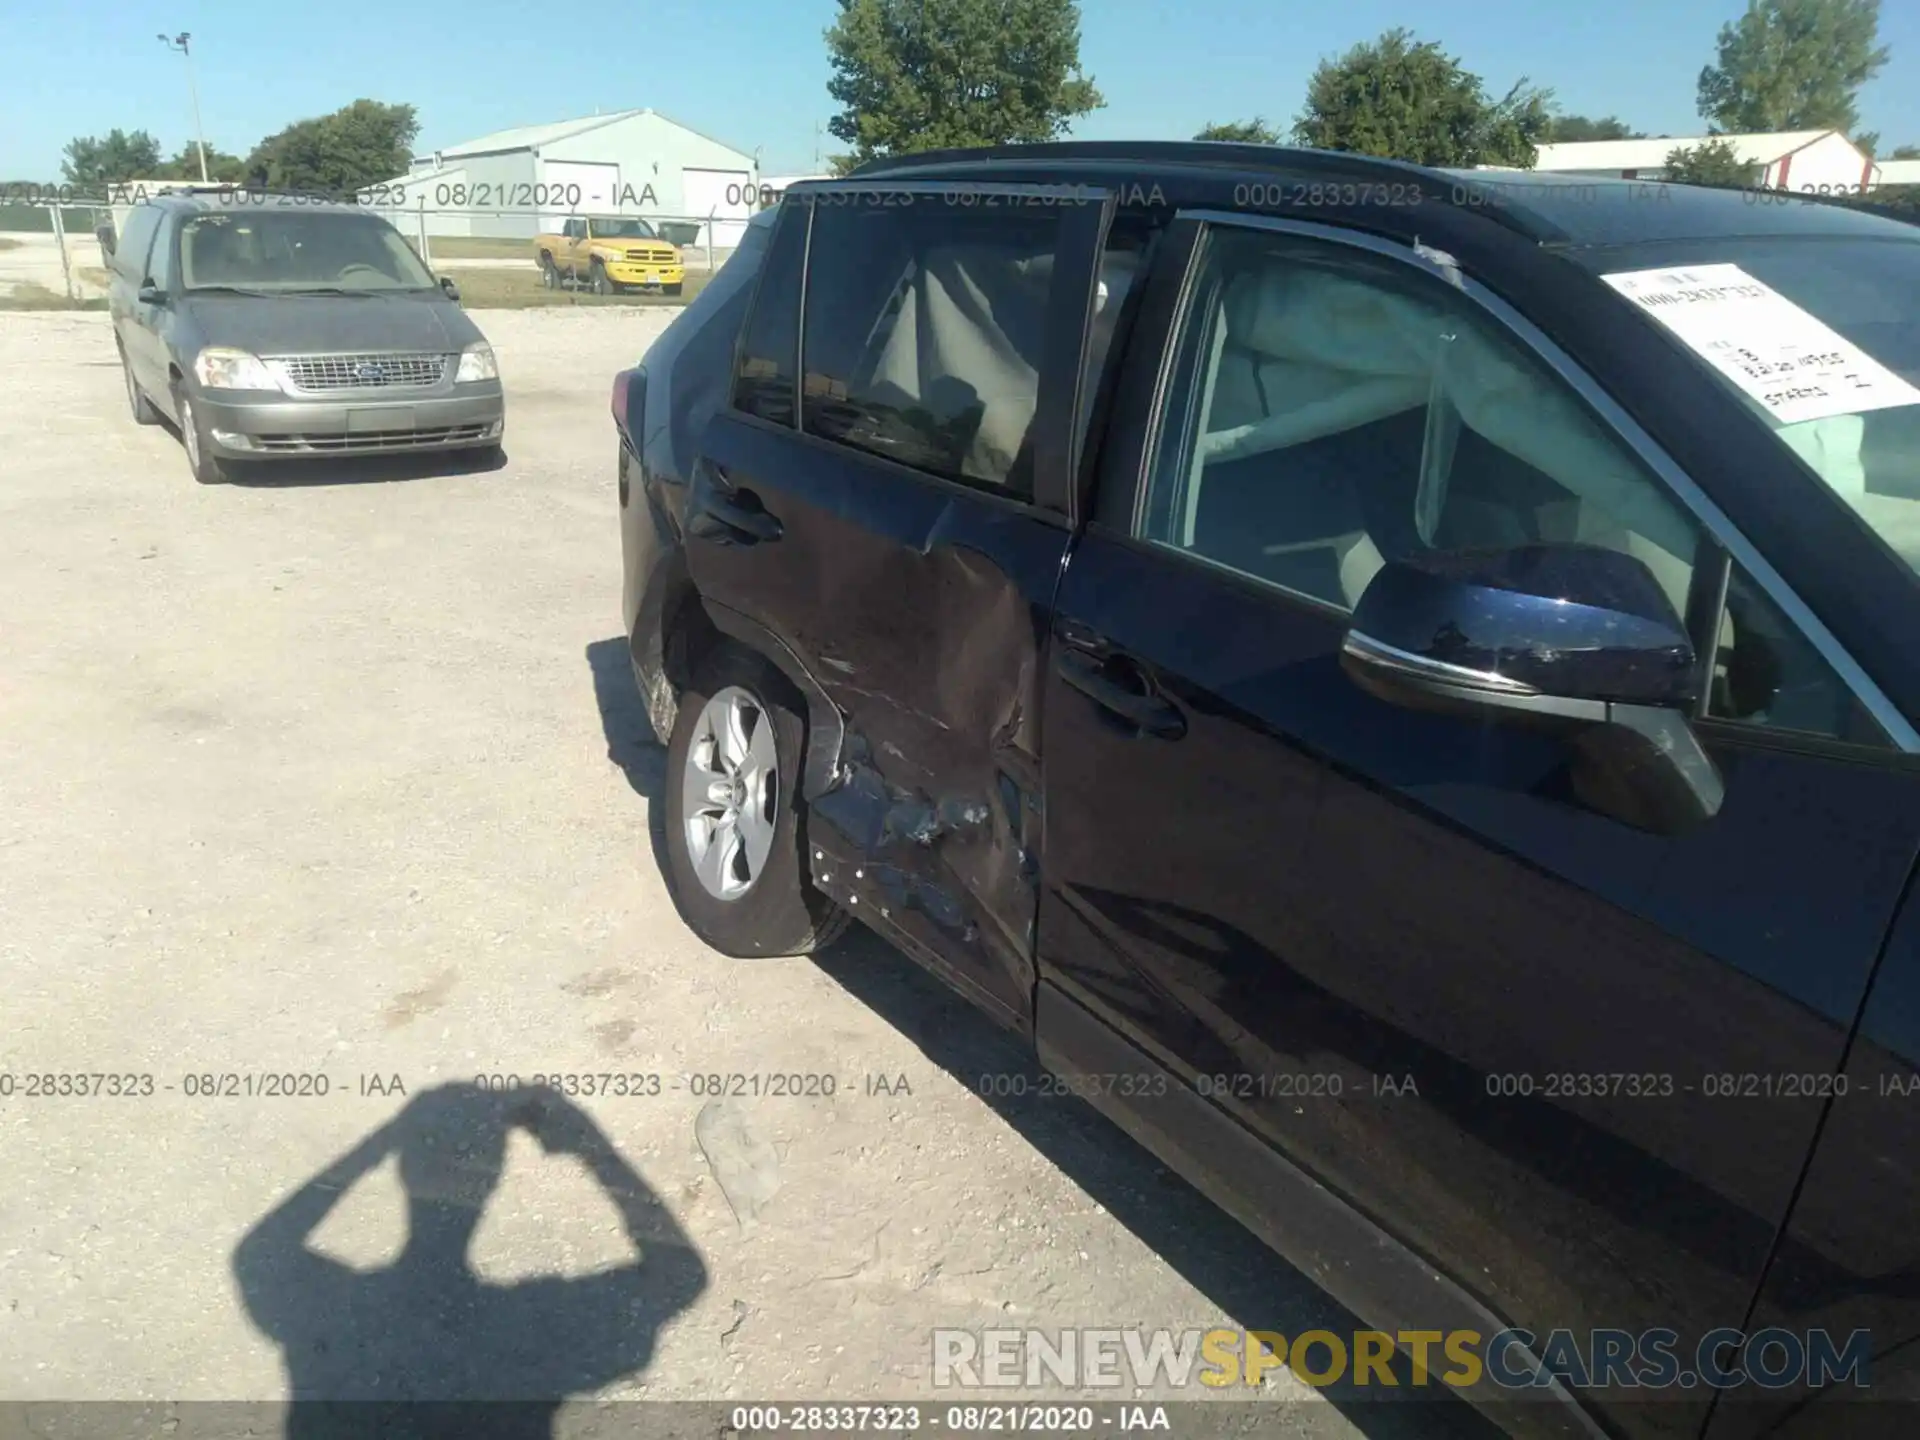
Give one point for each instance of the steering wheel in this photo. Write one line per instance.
(363, 269)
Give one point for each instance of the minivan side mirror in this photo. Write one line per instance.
(1578, 639)
(151, 294)
(452, 290)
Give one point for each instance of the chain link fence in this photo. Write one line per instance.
(447, 237)
(70, 226)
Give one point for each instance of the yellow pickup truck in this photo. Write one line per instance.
(610, 254)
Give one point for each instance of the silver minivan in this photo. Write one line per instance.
(271, 327)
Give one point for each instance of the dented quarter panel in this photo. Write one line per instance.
(921, 608)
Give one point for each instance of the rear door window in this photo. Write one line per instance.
(925, 325)
(770, 345)
(136, 240)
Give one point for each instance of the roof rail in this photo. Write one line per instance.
(1173, 157)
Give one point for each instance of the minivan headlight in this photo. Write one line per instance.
(477, 363)
(220, 368)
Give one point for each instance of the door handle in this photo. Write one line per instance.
(1136, 704)
(728, 516)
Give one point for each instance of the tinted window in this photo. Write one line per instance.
(1767, 672)
(135, 241)
(163, 261)
(925, 326)
(763, 380)
(1334, 410)
(1342, 409)
(1123, 266)
(1866, 291)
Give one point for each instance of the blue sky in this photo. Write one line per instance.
(753, 72)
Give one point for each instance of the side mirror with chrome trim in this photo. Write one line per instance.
(1579, 639)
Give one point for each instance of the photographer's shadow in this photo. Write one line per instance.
(427, 1328)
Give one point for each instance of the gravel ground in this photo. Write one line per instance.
(340, 773)
(35, 260)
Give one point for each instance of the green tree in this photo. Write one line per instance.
(1247, 132)
(1566, 129)
(222, 168)
(1905, 152)
(94, 162)
(1793, 65)
(931, 74)
(357, 145)
(1409, 100)
(1712, 162)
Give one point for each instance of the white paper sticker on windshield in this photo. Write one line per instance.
(1794, 364)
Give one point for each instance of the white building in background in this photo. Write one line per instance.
(772, 187)
(1820, 162)
(514, 184)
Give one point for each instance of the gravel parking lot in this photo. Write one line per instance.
(338, 775)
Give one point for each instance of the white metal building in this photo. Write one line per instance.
(1792, 160)
(516, 183)
(772, 187)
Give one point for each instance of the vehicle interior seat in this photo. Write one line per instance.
(213, 256)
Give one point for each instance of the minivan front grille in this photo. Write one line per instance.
(321, 373)
(311, 444)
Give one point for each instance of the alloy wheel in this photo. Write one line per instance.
(730, 791)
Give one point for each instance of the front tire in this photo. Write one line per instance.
(549, 272)
(735, 823)
(602, 282)
(208, 468)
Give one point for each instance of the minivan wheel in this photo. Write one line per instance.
(143, 409)
(735, 825)
(207, 467)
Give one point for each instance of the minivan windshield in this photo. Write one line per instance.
(622, 229)
(1838, 383)
(293, 251)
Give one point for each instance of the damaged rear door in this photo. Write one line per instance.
(896, 523)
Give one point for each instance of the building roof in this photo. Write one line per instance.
(532, 137)
(1899, 172)
(1652, 154)
(529, 137)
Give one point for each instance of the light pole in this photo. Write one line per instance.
(180, 42)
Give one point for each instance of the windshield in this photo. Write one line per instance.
(623, 230)
(289, 251)
(1838, 382)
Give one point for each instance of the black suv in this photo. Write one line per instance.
(1401, 683)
